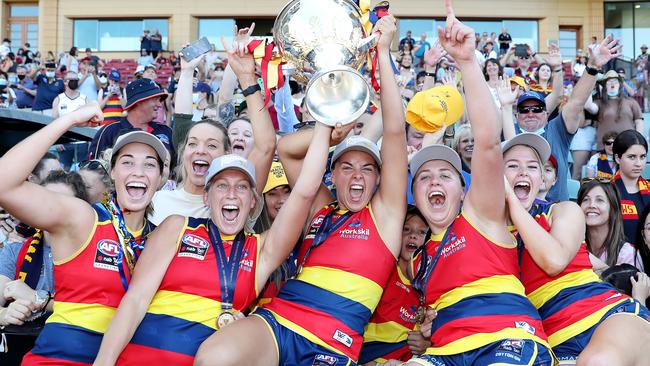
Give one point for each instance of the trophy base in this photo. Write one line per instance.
(337, 95)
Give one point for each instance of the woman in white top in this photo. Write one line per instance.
(207, 140)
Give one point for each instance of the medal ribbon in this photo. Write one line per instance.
(325, 229)
(426, 269)
(228, 267)
(130, 249)
(369, 17)
(272, 75)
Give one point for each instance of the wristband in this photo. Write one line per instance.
(430, 74)
(592, 71)
(558, 70)
(251, 90)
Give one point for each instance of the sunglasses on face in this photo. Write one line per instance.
(609, 142)
(533, 108)
(93, 165)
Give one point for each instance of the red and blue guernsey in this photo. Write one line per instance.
(387, 332)
(476, 291)
(88, 291)
(184, 311)
(572, 301)
(340, 283)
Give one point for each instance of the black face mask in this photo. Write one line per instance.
(73, 84)
(21, 77)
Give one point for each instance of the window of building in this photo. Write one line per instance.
(619, 21)
(23, 25)
(214, 28)
(116, 35)
(568, 43)
(522, 31)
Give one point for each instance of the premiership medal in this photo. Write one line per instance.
(419, 316)
(224, 319)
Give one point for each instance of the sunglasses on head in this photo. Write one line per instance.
(531, 108)
(93, 165)
(601, 180)
(609, 142)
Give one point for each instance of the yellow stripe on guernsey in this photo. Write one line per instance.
(94, 317)
(389, 332)
(460, 345)
(349, 285)
(487, 285)
(188, 307)
(549, 290)
(579, 326)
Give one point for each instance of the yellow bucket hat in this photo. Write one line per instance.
(430, 109)
(276, 178)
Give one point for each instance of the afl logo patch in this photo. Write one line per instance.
(193, 246)
(194, 241)
(106, 255)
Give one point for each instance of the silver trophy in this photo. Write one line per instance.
(324, 40)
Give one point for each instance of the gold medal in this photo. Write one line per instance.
(419, 316)
(224, 319)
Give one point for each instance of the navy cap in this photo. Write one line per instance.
(114, 75)
(202, 87)
(142, 89)
(532, 95)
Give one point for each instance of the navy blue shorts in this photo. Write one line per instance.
(296, 350)
(504, 352)
(571, 348)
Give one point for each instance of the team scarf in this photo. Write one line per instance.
(604, 168)
(642, 184)
(30, 260)
(130, 248)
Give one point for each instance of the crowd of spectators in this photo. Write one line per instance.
(595, 131)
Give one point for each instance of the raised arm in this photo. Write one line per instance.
(486, 200)
(147, 276)
(554, 59)
(280, 239)
(183, 99)
(292, 149)
(35, 205)
(571, 113)
(508, 98)
(390, 199)
(243, 64)
(552, 251)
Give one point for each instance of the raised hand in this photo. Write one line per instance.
(433, 55)
(457, 39)
(385, 30)
(340, 132)
(608, 49)
(505, 93)
(90, 115)
(193, 64)
(239, 59)
(554, 57)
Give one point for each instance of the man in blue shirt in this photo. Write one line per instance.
(144, 98)
(25, 89)
(532, 116)
(48, 87)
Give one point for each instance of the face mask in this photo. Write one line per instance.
(103, 80)
(21, 77)
(3, 82)
(195, 98)
(73, 84)
(50, 74)
(612, 94)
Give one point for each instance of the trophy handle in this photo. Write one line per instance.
(367, 43)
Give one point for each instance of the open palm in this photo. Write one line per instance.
(608, 49)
